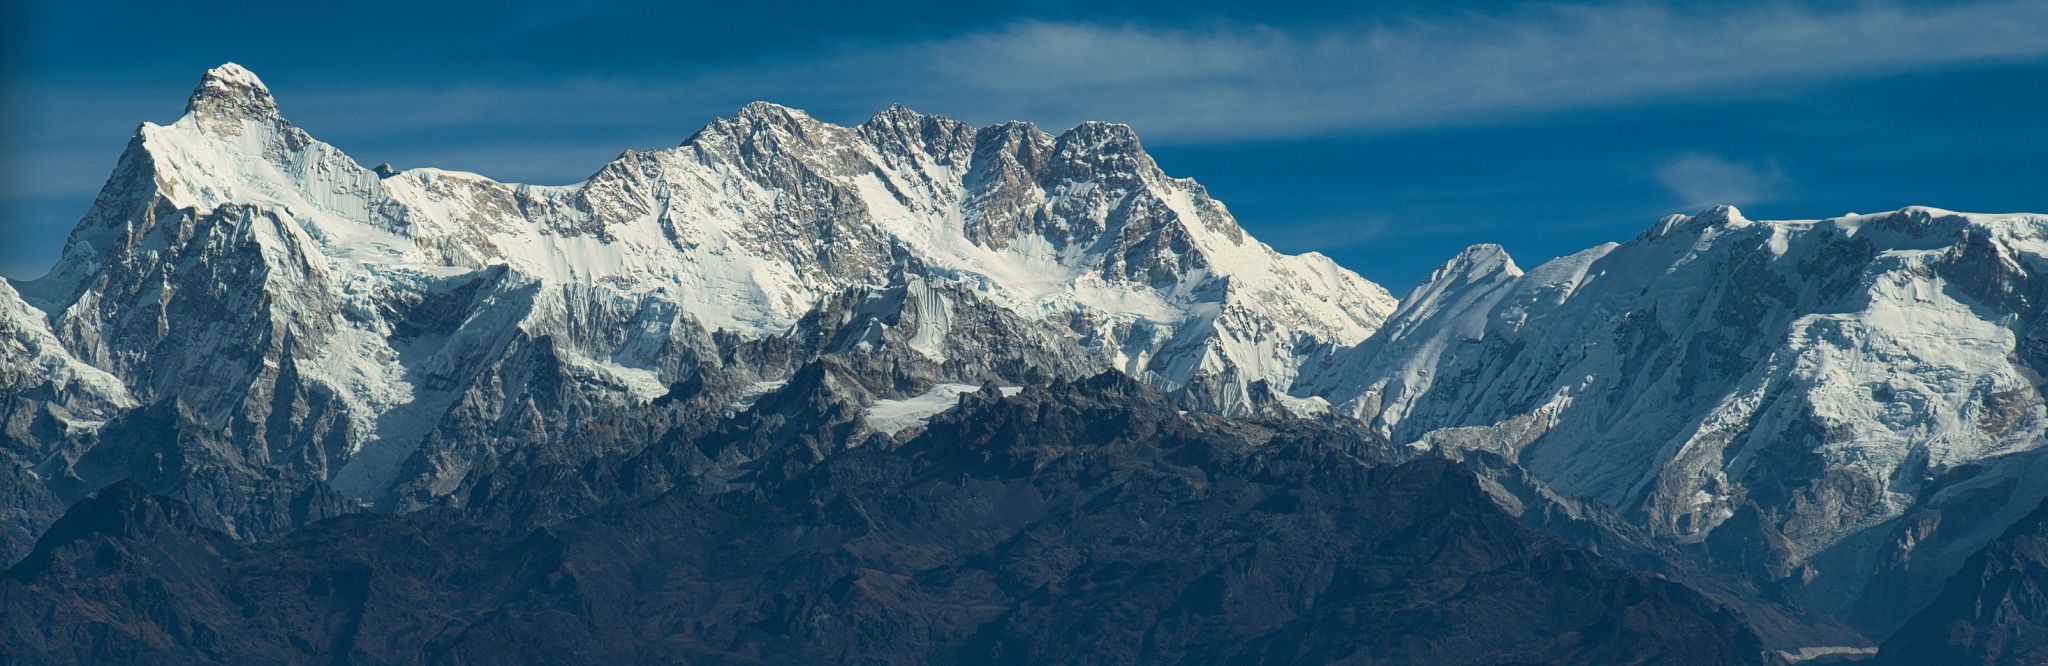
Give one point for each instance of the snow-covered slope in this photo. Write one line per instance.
(336, 320)
(46, 395)
(894, 416)
(1785, 392)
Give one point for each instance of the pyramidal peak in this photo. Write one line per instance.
(774, 114)
(1099, 134)
(229, 73)
(230, 89)
(759, 118)
(1723, 216)
(896, 111)
(1481, 258)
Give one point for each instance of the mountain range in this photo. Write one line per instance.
(918, 391)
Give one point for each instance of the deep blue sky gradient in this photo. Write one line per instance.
(1608, 117)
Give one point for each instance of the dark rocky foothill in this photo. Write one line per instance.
(1086, 522)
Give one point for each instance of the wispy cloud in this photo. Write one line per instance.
(1181, 86)
(1700, 179)
(1257, 82)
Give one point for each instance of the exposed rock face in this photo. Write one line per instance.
(26, 506)
(1817, 402)
(1088, 521)
(1993, 611)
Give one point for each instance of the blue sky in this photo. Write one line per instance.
(1387, 135)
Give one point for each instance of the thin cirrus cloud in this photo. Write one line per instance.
(1265, 83)
(1272, 82)
(1189, 86)
(1241, 84)
(1261, 82)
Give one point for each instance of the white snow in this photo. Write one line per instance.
(1653, 375)
(934, 319)
(31, 355)
(1581, 366)
(894, 416)
(1657, 373)
(697, 235)
(231, 73)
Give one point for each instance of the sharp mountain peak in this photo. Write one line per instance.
(231, 88)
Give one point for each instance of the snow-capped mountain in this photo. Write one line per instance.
(1813, 399)
(334, 320)
(252, 321)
